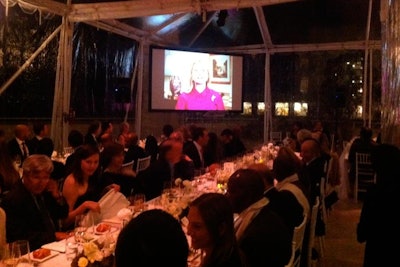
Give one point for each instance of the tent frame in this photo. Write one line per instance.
(105, 16)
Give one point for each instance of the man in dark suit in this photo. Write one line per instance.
(283, 204)
(33, 206)
(262, 235)
(93, 134)
(171, 164)
(17, 146)
(233, 146)
(194, 148)
(41, 130)
(135, 151)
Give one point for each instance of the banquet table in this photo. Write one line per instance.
(188, 190)
(198, 186)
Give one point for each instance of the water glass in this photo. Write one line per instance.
(8, 258)
(71, 248)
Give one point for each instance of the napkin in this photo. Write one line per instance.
(56, 246)
(112, 202)
(125, 214)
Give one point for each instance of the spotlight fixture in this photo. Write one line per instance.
(222, 17)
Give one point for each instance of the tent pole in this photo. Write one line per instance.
(366, 54)
(138, 110)
(267, 99)
(61, 102)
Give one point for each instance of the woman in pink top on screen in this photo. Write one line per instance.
(201, 97)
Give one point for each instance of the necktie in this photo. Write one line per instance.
(25, 150)
(201, 157)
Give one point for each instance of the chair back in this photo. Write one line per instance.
(3, 240)
(142, 164)
(322, 193)
(365, 174)
(297, 244)
(311, 234)
(128, 165)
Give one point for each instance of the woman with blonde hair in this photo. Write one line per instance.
(200, 97)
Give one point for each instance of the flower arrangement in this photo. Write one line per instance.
(98, 253)
(179, 201)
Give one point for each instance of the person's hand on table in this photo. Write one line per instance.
(62, 235)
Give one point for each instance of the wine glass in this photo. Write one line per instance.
(21, 252)
(83, 228)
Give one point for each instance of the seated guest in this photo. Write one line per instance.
(233, 146)
(167, 130)
(75, 140)
(194, 149)
(153, 238)
(151, 147)
(17, 146)
(135, 151)
(262, 235)
(123, 135)
(40, 130)
(82, 189)
(314, 166)
(30, 207)
(92, 136)
(213, 151)
(46, 147)
(8, 173)
(286, 168)
(277, 201)
(107, 128)
(112, 158)
(211, 230)
(171, 164)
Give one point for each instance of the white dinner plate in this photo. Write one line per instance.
(52, 254)
(112, 229)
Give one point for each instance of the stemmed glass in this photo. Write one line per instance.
(21, 251)
(83, 228)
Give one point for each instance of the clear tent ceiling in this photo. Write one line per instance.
(285, 22)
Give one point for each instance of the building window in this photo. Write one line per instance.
(260, 108)
(247, 108)
(300, 109)
(281, 109)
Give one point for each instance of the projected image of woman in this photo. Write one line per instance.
(201, 97)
